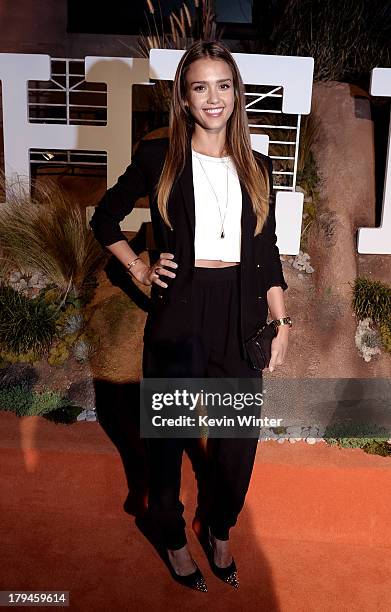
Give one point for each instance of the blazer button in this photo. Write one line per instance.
(160, 295)
(259, 297)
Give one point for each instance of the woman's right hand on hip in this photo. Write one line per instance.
(156, 273)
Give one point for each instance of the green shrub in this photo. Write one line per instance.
(355, 435)
(372, 298)
(26, 325)
(24, 401)
(48, 322)
(374, 447)
(58, 353)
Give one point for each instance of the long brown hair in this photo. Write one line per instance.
(238, 142)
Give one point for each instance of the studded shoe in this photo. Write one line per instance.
(227, 574)
(195, 580)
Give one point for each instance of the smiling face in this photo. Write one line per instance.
(210, 93)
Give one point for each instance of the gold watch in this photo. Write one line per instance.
(283, 321)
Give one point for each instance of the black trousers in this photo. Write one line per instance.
(215, 352)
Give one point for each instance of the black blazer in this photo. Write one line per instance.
(260, 260)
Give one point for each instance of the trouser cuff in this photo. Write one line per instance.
(176, 544)
(219, 533)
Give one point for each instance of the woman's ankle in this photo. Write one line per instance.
(222, 552)
(182, 560)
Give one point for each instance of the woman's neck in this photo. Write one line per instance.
(212, 151)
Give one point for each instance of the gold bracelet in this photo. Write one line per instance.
(130, 264)
(282, 321)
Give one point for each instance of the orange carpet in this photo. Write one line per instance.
(314, 535)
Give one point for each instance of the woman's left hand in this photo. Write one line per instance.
(279, 347)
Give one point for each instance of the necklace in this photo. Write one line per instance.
(222, 219)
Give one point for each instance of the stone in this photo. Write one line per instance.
(14, 277)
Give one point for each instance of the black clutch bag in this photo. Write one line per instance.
(259, 346)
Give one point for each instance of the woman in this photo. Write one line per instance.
(215, 274)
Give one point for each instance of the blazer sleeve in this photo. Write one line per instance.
(119, 200)
(273, 273)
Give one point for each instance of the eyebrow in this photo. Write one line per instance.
(218, 81)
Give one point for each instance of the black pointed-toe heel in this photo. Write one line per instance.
(195, 580)
(227, 574)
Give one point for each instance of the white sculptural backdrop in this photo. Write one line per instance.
(377, 240)
(294, 74)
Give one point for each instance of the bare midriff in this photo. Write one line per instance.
(214, 263)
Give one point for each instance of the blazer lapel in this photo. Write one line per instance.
(187, 190)
(185, 181)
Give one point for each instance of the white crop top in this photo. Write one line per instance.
(207, 241)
